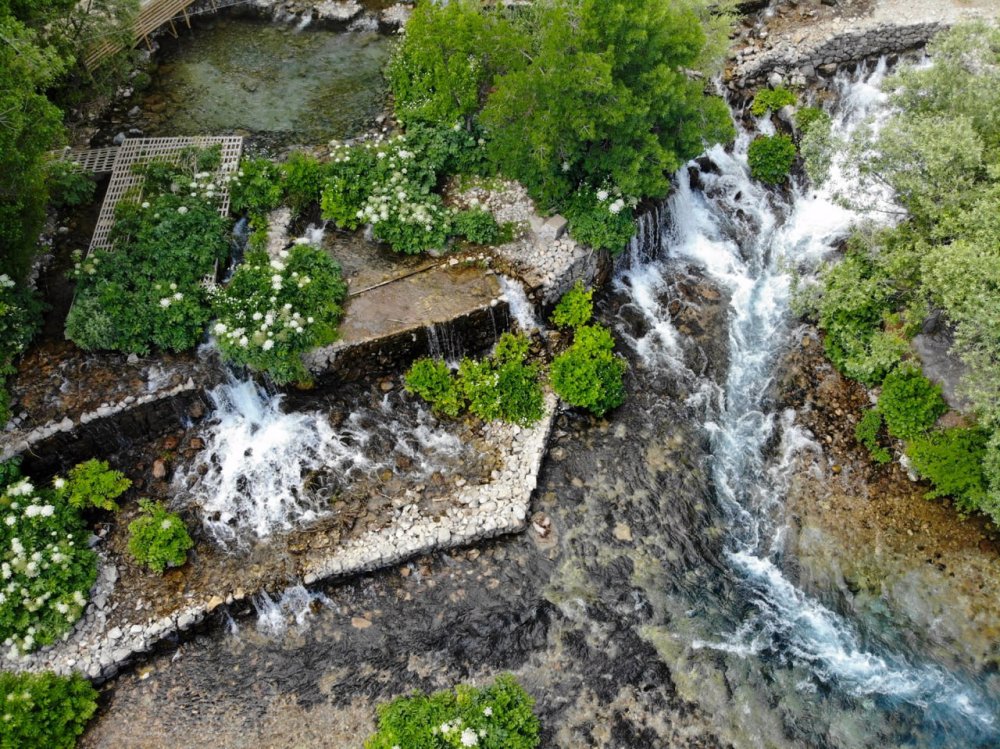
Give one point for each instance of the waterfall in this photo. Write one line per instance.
(744, 237)
(264, 470)
(521, 308)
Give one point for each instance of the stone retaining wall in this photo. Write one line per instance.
(754, 66)
(113, 631)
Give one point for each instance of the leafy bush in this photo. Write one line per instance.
(348, 184)
(477, 226)
(93, 484)
(157, 538)
(20, 319)
(771, 99)
(503, 386)
(808, 117)
(589, 374)
(69, 187)
(274, 311)
(499, 716)
(866, 432)
(855, 297)
(910, 403)
(952, 460)
(149, 291)
(46, 565)
(601, 219)
(407, 218)
(575, 308)
(771, 159)
(258, 187)
(44, 710)
(433, 381)
(10, 472)
(444, 66)
(304, 176)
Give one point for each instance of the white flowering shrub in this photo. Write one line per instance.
(19, 320)
(392, 185)
(150, 291)
(601, 218)
(46, 566)
(499, 716)
(273, 311)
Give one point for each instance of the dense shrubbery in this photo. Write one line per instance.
(808, 118)
(575, 308)
(44, 710)
(910, 403)
(46, 565)
(274, 311)
(771, 158)
(771, 99)
(19, 321)
(69, 187)
(434, 381)
(502, 386)
(952, 460)
(258, 189)
(589, 374)
(157, 538)
(149, 291)
(866, 432)
(477, 226)
(499, 716)
(937, 154)
(570, 95)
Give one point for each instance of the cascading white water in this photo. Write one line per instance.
(744, 238)
(521, 308)
(258, 459)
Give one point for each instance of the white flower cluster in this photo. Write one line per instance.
(174, 296)
(35, 550)
(248, 326)
(466, 736)
(6, 282)
(617, 205)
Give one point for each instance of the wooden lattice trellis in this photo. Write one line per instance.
(90, 160)
(143, 150)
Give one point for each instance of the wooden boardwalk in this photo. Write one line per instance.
(154, 14)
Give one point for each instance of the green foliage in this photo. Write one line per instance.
(855, 298)
(866, 432)
(274, 311)
(304, 176)
(477, 226)
(503, 386)
(499, 716)
(44, 709)
(348, 184)
(604, 95)
(952, 460)
(93, 484)
(149, 290)
(30, 126)
(910, 403)
(157, 538)
(20, 318)
(575, 308)
(601, 219)
(771, 159)
(808, 117)
(589, 374)
(10, 472)
(69, 187)
(258, 189)
(46, 565)
(433, 381)
(443, 68)
(772, 99)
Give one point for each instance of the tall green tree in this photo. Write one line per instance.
(610, 95)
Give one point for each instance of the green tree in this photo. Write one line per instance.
(607, 97)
